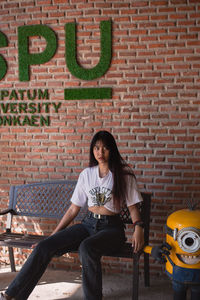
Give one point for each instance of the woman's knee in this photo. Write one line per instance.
(83, 248)
(42, 248)
(88, 251)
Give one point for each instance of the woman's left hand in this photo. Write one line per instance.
(138, 239)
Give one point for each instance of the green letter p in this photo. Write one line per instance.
(27, 59)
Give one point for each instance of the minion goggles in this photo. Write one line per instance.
(188, 238)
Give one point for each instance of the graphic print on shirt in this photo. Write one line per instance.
(100, 195)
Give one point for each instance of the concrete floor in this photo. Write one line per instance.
(57, 285)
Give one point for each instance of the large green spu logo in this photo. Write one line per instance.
(27, 59)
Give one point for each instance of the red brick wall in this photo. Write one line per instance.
(154, 111)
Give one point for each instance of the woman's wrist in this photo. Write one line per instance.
(138, 223)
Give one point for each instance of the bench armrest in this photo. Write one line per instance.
(6, 211)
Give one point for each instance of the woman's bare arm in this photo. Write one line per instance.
(138, 235)
(68, 217)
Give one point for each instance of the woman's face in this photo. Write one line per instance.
(101, 152)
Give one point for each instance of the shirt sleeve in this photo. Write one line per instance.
(133, 196)
(79, 196)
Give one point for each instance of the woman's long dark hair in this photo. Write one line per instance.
(116, 164)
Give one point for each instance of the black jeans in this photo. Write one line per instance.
(180, 291)
(93, 238)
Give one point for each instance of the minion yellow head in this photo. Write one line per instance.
(183, 235)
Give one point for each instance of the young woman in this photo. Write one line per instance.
(105, 185)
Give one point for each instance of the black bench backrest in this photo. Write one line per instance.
(51, 199)
(44, 199)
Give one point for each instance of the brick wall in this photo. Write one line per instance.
(154, 111)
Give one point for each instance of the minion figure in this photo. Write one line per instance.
(181, 252)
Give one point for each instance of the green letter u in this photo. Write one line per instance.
(105, 58)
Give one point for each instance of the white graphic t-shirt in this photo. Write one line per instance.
(97, 191)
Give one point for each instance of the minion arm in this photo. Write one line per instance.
(148, 249)
(158, 252)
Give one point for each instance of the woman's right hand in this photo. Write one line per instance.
(34, 245)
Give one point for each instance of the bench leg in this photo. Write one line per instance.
(136, 258)
(12, 260)
(146, 270)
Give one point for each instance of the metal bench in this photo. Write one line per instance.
(50, 200)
